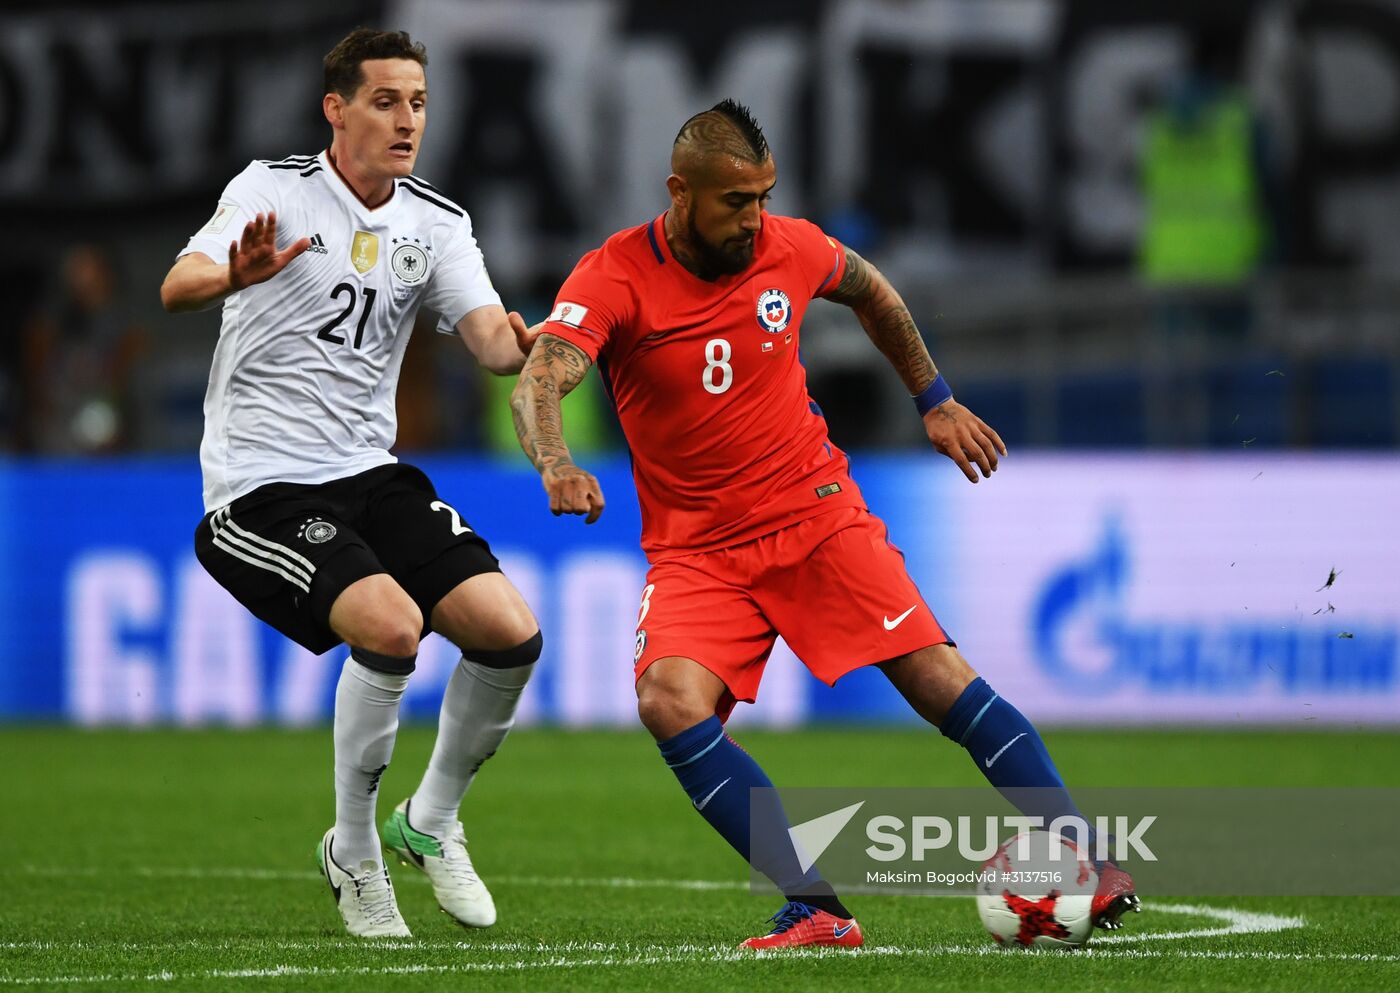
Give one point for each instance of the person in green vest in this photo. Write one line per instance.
(1204, 227)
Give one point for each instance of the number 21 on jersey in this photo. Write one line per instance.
(329, 331)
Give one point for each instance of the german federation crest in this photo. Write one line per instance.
(316, 531)
(409, 262)
(774, 311)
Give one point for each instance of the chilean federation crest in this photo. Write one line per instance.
(774, 311)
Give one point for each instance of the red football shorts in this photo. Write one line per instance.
(833, 586)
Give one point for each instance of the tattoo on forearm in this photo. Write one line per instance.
(553, 368)
(890, 325)
(886, 320)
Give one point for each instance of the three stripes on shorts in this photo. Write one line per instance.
(259, 552)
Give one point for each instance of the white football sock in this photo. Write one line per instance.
(478, 710)
(366, 720)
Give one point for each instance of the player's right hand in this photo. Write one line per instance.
(255, 259)
(572, 491)
(965, 438)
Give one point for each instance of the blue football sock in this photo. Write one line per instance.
(1007, 749)
(717, 775)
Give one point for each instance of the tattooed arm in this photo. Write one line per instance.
(498, 340)
(953, 429)
(553, 368)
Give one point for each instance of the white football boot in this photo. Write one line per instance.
(366, 901)
(459, 890)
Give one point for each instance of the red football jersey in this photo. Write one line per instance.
(726, 443)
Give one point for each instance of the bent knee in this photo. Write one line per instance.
(666, 711)
(375, 613)
(400, 640)
(395, 632)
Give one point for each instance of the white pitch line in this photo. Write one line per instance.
(170, 872)
(623, 882)
(293, 971)
(1252, 955)
(1096, 951)
(1236, 922)
(627, 955)
(677, 955)
(298, 875)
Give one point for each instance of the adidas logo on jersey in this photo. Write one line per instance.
(317, 245)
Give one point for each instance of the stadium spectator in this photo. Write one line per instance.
(1205, 230)
(81, 358)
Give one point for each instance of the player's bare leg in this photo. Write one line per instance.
(945, 691)
(486, 617)
(376, 613)
(674, 694)
(677, 699)
(382, 624)
(931, 679)
(485, 613)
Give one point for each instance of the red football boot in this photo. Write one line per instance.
(1113, 897)
(798, 924)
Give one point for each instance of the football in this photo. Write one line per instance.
(1037, 891)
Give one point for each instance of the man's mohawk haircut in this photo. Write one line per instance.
(740, 121)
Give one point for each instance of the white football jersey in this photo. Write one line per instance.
(304, 376)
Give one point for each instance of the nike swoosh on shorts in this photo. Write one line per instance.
(890, 625)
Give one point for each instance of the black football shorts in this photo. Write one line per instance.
(287, 550)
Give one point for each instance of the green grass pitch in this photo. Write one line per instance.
(167, 860)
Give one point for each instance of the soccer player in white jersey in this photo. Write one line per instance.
(321, 263)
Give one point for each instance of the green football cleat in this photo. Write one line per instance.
(459, 890)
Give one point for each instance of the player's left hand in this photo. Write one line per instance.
(524, 336)
(965, 438)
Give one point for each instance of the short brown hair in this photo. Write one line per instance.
(344, 72)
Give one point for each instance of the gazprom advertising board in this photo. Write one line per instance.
(1218, 590)
(1123, 589)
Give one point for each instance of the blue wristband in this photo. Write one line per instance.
(937, 393)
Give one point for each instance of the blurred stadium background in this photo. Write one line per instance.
(1154, 244)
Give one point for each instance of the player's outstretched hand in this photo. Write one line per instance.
(965, 438)
(524, 336)
(256, 259)
(572, 491)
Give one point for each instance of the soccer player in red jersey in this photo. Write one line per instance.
(751, 521)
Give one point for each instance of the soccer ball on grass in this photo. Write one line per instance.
(1038, 891)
